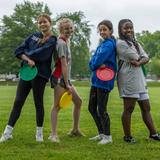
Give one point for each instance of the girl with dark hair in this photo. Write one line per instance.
(104, 56)
(131, 80)
(37, 51)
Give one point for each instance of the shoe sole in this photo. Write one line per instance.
(95, 139)
(104, 143)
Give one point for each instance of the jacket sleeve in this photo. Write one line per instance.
(101, 55)
(91, 62)
(125, 52)
(21, 49)
(44, 52)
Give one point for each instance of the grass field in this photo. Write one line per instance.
(24, 146)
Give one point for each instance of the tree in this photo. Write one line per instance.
(150, 42)
(79, 43)
(154, 67)
(22, 23)
(15, 29)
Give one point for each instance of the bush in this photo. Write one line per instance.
(155, 66)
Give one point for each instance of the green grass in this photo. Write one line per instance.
(24, 146)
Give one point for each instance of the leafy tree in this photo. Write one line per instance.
(151, 42)
(15, 29)
(154, 67)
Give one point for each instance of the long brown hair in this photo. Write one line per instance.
(107, 23)
(44, 39)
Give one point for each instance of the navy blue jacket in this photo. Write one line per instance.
(104, 54)
(40, 53)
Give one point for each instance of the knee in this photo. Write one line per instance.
(145, 109)
(78, 102)
(104, 116)
(18, 103)
(129, 110)
(101, 112)
(55, 108)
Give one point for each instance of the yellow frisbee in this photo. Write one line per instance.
(65, 100)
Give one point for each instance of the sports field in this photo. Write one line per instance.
(24, 146)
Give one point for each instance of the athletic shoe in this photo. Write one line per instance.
(129, 139)
(76, 133)
(39, 137)
(97, 138)
(155, 137)
(5, 137)
(54, 139)
(106, 139)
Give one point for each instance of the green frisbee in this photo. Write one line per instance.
(28, 73)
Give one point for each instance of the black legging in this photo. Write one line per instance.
(97, 107)
(37, 85)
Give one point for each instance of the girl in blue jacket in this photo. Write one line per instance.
(104, 56)
(37, 51)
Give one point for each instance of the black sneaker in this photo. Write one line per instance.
(129, 139)
(155, 137)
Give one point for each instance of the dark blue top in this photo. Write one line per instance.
(41, 53)
(104, 54)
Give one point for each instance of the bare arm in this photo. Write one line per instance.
(30, 62)
(137, 63)
(65, 73)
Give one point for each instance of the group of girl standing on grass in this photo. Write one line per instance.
(38, 49)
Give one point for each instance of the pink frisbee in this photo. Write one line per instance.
(105, 74)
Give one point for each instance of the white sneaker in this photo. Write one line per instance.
(54, 139)
(106, 139)
(39, 137)
(97, 138)
(5, 137)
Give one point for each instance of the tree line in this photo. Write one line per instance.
(16, 27)
(151, 44)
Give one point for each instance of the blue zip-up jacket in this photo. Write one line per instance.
(40, 53)
(104, 54)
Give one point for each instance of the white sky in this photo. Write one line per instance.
(144, 14)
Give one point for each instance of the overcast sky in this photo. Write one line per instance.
(145, 14)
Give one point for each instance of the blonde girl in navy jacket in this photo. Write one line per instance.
(37, 51)
(105, 55)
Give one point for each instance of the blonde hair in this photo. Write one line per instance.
(63, 21)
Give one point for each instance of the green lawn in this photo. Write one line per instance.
(24, 146)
